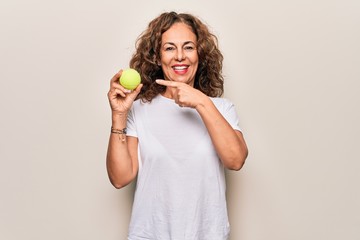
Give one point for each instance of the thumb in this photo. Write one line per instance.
(136, 92)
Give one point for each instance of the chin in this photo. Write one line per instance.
(184, 80)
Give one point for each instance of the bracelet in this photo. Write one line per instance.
(121, 132)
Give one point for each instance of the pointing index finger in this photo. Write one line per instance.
(166, 83)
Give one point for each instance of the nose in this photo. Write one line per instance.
(180, 55)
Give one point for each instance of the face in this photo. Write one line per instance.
(179, 58)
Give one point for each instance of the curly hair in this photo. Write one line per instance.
(208, 78)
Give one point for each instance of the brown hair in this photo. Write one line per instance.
(208, 78)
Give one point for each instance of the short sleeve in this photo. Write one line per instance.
(228, 110)
(130, 125)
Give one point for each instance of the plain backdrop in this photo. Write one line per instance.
(291, 67)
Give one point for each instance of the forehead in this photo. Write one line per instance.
(178, 33)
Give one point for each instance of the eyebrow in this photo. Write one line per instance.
(187, 42)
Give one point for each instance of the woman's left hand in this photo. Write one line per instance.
(184, 94)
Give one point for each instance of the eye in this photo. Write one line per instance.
(169, 48)
(189, 47)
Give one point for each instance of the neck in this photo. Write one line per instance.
(169, 92)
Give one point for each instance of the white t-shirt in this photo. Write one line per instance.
(180, 191)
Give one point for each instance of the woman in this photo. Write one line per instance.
(180, 135)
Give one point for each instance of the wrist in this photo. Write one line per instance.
(119, 120)
(120, 132)
(206, 101)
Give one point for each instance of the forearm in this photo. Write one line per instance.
(229, 143)
(121, 166)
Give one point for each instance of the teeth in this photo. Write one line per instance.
(180, 67)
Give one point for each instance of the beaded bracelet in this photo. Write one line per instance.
(121, 132)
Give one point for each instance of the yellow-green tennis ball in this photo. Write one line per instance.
(130, 79)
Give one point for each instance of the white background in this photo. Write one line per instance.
(292, 68)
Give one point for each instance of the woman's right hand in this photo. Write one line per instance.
(121, 99)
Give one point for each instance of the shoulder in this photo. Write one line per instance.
(137, 103)
(140, 105)
(227, 108)
(222, 104)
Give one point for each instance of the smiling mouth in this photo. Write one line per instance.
(180, 68)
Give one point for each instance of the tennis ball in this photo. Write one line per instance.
(130, 79)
